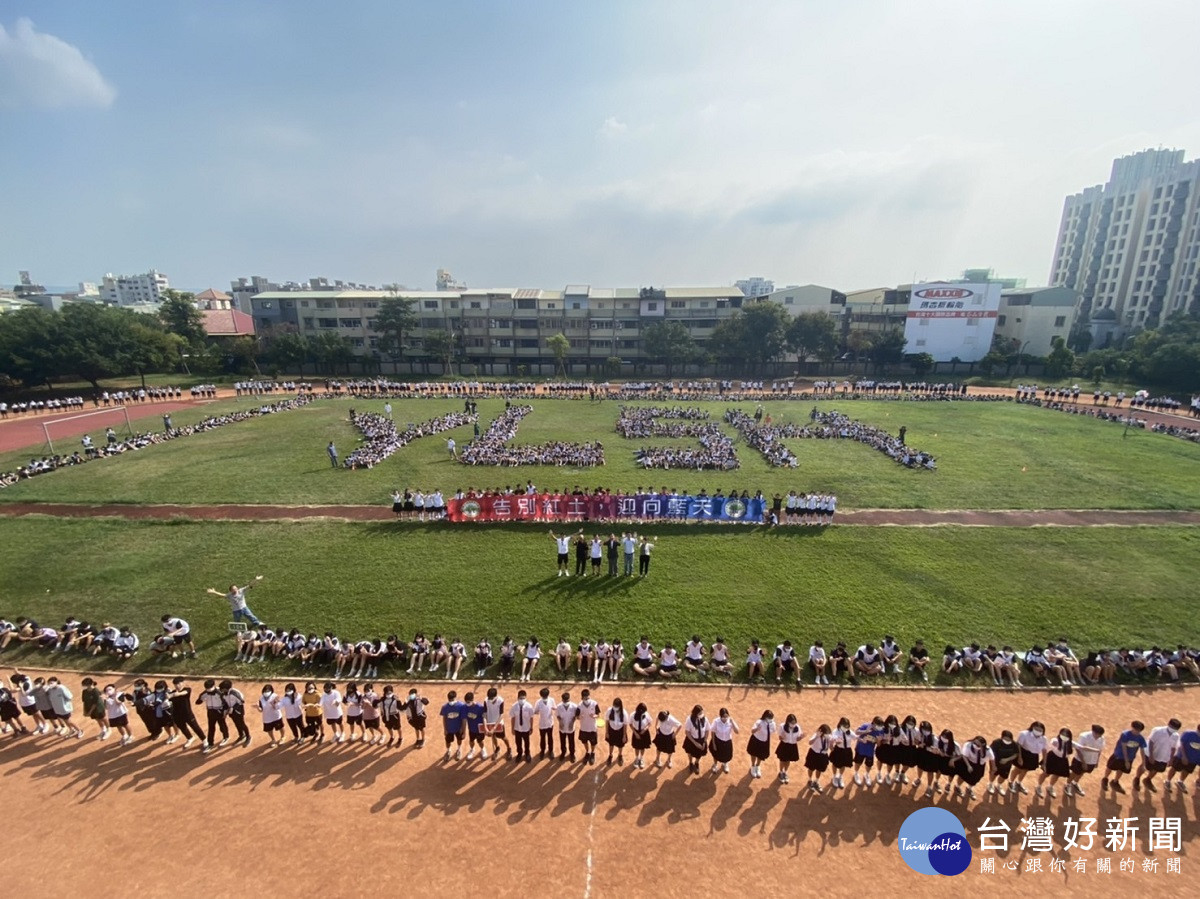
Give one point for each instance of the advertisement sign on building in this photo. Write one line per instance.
(952, 320)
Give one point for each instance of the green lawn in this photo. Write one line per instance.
(1099, 586)
(990, 455)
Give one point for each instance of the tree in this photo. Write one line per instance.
(671, 342)
(728, 344)
(331, 350)
(440, 344)
(922, 363)
(1060, 360)
(612, 366)
(396, 318)
(179, 315)
(764, 333)
(812, 334)
(991, 361)
(559, 345)
(29, 346)
(288, 351)
(889, 348)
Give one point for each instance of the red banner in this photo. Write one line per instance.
(536, 507)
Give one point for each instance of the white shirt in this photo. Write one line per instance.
(566, 713)
(723, 729)
(1161, 744)
(292, 707)
(1030, 742)
(237, 599)
(331, 705)
(694, 652)
(670, 658)
(589, 711)
(1088, 748)
(564, 545)
(790, 736)
(544, 708)
(269, 703)
(720, 653)
(616, 720)
(816, 653)
(522, 716)
(668, 727)
(697, 731)
(493, 710)
(763, 729)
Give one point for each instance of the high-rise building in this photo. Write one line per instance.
(1130, 246)
(133, 290)
(755, 287)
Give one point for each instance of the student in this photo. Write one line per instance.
(904, 740)
(719, 658)
(544, 711)
(758, 747)
(161, 702)
(508, 655)
(721, 730)
(438, 652)
(693, 656)
(891, 653)
(616, 659)
(237, 601)
(643, 658)
(866, 738)
(584, 658)
(600, 656)
(927, 760)
(1185, 760)
(754, 662)
(418, 651)
(10, 713)
(483, 656)
(666, 738)
(1032, 744)
(352, 706)
(918, 659)
(639, 730)
(785, 660)
(817, 661)
(415, 707)
(93, 705)
(567, 714)
(668, 662)
(696, 730)
(143, 705)
(646, 545)
(816, 761)
(971, 765)
(1125, 753)
(182, 714)
(493, 722)
(628, 548)
(272, 716)
(1005, 753)
(452, 725)
(841, 755)
(616, 733)
(533, 652)
(788, 750)
(839, 662)
(1088, 748)
(1160, 749)
(951, 660)
(522, 715)
(562, 656)
(596, 553)
(581, 554)
(1057, 762)
(612, 548)
(589, 712)
(389, 711)
(236, 703)
(458, 653)
(473, 714)
(215, 711)
(117, 713)
(62, 702)
(314, 727)
(178, 632)
(947, 751)
(370, 715)
(332, 709)
(868, 661)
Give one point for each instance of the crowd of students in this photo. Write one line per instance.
(32, 407)
(1102, 412)
(887, 752)
(381, 437)
(493, 447)
(768, 438)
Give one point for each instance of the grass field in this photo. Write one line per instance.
(991, 455)
(1099, 586)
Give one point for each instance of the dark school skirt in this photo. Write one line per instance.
(886, 753)
(664, 742)
(787, 752)
(816, 761)
(841, 756)
(693, 749)
(722, 750)
(927, 761)
(946, 764)
(641, 739)
(9, 711)
(971, 774)
(758, 749)
(1028, 761)
(615, 736)
(1057, 765)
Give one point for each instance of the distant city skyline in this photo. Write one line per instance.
(542, 144)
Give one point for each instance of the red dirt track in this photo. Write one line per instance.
(25, 431)
(398, 817)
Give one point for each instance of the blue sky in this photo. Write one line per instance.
(537, 144)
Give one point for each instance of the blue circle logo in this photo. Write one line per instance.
(933, 841)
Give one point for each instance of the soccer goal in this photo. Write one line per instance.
(127, 429)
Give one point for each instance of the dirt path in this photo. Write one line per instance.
(1010, 518)
(408, 816)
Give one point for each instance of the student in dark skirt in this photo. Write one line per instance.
(971, 765)
(927, 760)
(1004, 756)
(903, 742)
(10, 713)
(758, 747)
(887, 750)
(842, 753)
(616, 730)
(639, 730)
(416, 716)
(947, 752)
(721, 732)
(788, 749)
(143, 705)
(666, 737)
(1031, 744)
(817, 759)
(1057, 762)
(695, 738)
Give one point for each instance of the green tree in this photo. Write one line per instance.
(889, 348)
(612, 366)
(559, 345)
(29, 346)
(989, 363)
(288, 351)
(179, 315)
(1061, 359)
(440, 345)
(728, 343)
(670, 342)
(922, 363)
(397, 318)
(812, 334)
(330, 350)
(764, 331)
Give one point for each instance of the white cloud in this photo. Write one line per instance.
(613, 127)
(42, 71)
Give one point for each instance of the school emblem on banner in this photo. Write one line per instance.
(471, 509)
(735, 508)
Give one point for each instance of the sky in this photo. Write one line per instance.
(539, 144)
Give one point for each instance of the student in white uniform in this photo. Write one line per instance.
(589, 711)
(600, 657)
(543, 710)
(639, 731)
(972, 764)
(695, 738)
(722, 729)
(693, 656)
(666, 738)
(758, 747)
(754, 662)
(817, 759)
(817, 661)
(788, 750)
(567, 714)
(842, 754)
(1057, 762)
(272, 716)
(117, 712)
(522, 722)
(1088, 748)
(533, 652)
(1160, 749)
(616, 730)
(719, 657)
(293, 713)
(493, 722)
(1031, 744)
(331, 709)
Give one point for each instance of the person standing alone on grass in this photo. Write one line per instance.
(333, 455)
(629, 545)
(237, 601)
(647, 544)
(612, 547)
(563, 544)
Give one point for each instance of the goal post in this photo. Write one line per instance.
(47, 425)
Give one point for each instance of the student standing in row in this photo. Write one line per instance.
(616, 734)
(759, 745)
(272, 716)
(522, 721)
(544, 709)
(788, 750)
(1088, 748)
(639, 730)
(235, 701)
(416, 716)
(311, 700)
(567, 714)
(666, 738)
(452, 725)
(493, 722)
(182, 714)
(696, 730)
(215, 711)
(117, 713)
(473, 713)
(589, 712)
(817, 759)
(293, 713)
(389, 709)
(721, 730)
(1130, 744)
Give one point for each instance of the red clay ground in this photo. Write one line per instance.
(23, 431)
(339, 817)
(859, 517)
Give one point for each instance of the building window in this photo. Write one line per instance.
(526, 304)
(1000, 320)
(475, 304)
(431, 304)
(678, 304)
(350, 322)
(972, 323)
(921, 342)
(326, 322)
(652, 307)
(551, 305)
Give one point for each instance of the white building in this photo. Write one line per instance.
(133, 290)
(1031, 317)
(755, 287)
(1130, 246)
(952, 320)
